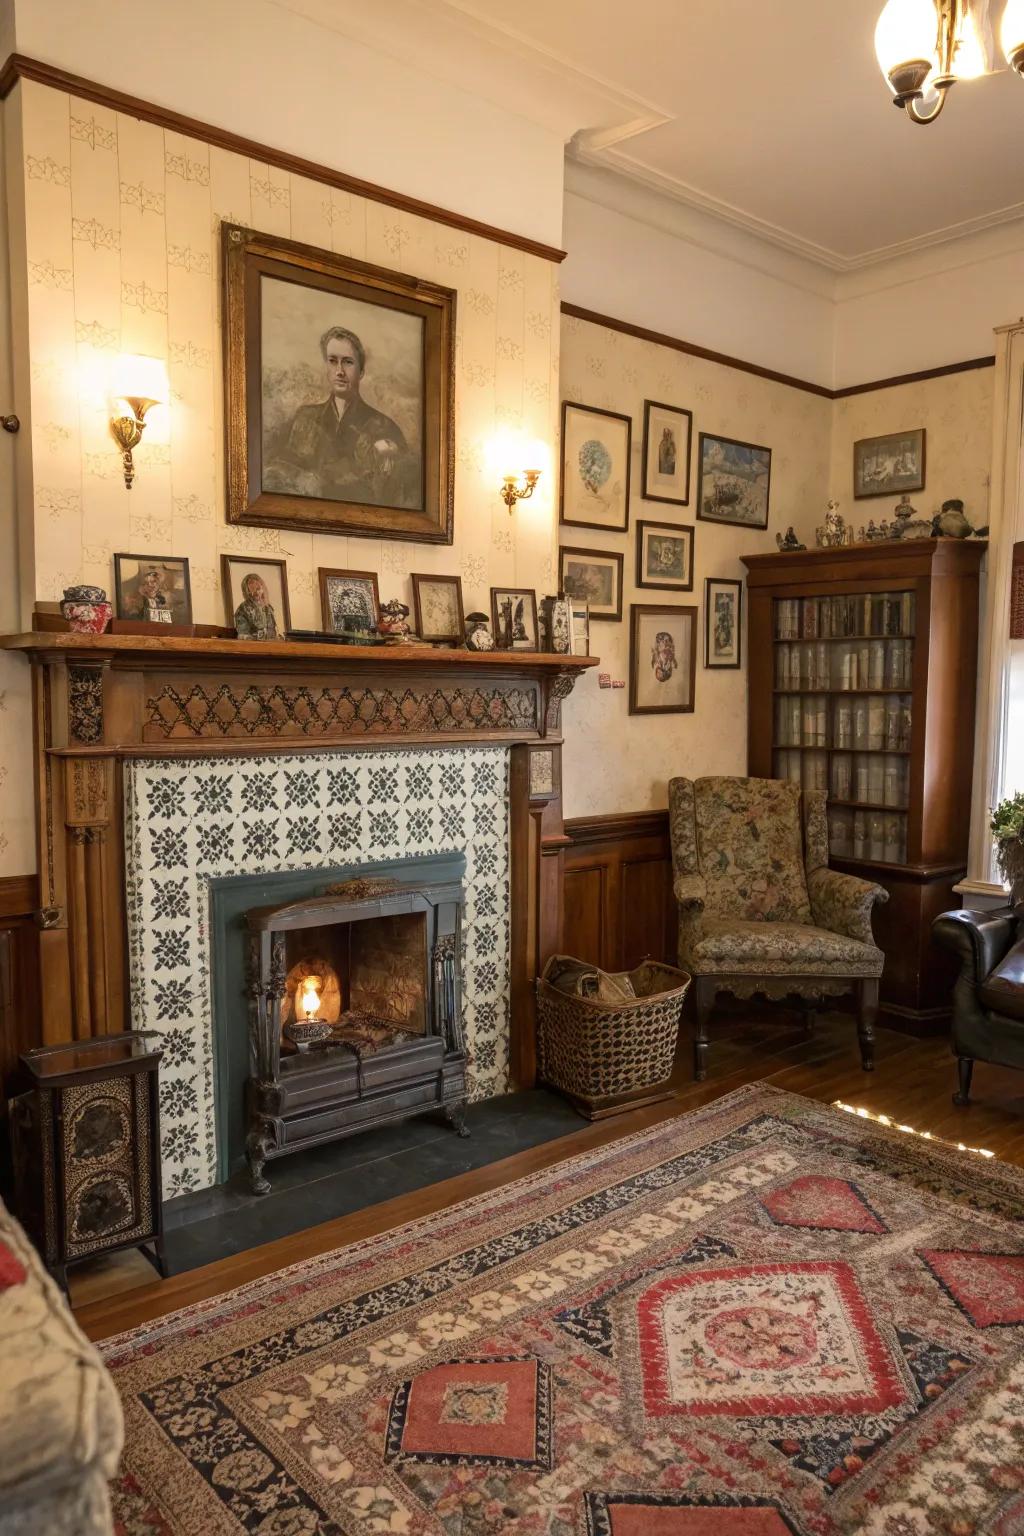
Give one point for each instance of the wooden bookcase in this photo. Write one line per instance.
(873, 701)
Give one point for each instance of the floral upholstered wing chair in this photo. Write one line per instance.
(759, 909)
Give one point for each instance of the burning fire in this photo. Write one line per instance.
(310, 1003)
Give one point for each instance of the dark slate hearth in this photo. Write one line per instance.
(342, 1177)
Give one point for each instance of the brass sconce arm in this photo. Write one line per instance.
(127, 428)
(512, 491)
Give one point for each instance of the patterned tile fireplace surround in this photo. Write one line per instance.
(190, 820)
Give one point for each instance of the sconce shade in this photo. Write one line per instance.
(906, 34)
(136, 377)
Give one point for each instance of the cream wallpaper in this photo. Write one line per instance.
(956, 413)
(121, 254)
(614, 761)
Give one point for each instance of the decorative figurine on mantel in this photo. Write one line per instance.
(478, 636)
(86, 609)
(836, 533)
(394, 620)
(952, 522)
(790, 543)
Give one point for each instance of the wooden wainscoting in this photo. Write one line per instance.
(19, 975)
(619, 908)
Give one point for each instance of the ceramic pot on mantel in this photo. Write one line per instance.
(86, 609)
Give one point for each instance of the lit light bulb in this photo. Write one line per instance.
(311, 996)
(907, 32)
(1011, 34)
(970, 59)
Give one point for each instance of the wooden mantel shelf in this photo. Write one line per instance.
(272, 655)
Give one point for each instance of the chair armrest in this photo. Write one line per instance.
(843, 903)
(979, 939)
(690, 892)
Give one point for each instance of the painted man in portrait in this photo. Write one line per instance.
(342, 448)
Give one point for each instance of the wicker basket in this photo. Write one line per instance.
(608, 1057)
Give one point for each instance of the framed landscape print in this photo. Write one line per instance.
(349, 600)
(152, 588)
(437, 604)
(666, 454)
(890, 465)
(339, 382)
(594, 577)
(733, 481)
(596, 449)
(256, 596)
(723, 617)
(664, 556)
(520, 606)
(662, 659)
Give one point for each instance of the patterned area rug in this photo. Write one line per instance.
(759, 1319)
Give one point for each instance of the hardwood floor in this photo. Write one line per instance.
(912, 1083)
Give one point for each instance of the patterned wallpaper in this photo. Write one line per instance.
(614, 761)
(122, 241)
(956, 413)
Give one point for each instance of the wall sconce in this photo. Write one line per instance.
(139, 384)
(518, 487)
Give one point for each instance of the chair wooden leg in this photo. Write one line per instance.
(965, 1071)
(704, 994)
(867, 1010)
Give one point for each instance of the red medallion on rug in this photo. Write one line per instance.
(763, 1318)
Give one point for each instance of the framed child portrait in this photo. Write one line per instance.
(256, 596)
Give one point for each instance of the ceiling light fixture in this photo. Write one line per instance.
(926, 46)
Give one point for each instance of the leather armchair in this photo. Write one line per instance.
(760, 912)
(988, 999)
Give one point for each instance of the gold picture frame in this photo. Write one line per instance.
(368, 449)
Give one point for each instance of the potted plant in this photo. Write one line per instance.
(1008, 830)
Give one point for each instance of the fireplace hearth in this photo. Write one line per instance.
(354, 1014)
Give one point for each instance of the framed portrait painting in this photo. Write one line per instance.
(349, 600)
(152, 588)
(662, 659)
(723, 619)
(596, 449)
(666, 454)
(594, 577)
(256, 596)
(733, 481)
(339, 379)
(437, 603)
(514, 618)
(890, 465)
(664, 556)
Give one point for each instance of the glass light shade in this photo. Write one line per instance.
(134, 376)
(1011, 31)
(906, 30)
(512, 452)
(972, 47)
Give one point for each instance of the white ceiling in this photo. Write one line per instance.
(774, 116)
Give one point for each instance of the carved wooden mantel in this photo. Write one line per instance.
(102, 698)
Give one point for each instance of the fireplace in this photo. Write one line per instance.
(354, 1013)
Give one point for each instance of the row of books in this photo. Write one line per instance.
(878, 780)
(880, 836)
(869, 722)
(849, 665)
(867, 613)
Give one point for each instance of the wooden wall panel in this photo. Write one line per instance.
(20, 1018)
(619, 907)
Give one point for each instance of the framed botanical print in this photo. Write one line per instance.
(664, 556)
(733, 481)
(437, 603)
(596, 449)
(256, 596)
(662, 659)
(339, 380)
(592, 576)
(666, 453)
(723, 622)
(514, 618)
(153, 588)
(889, 466)
(349, 600)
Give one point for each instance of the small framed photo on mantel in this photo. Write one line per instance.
(152, 589)
(662, 659)
(723, 622)
(514, 618)
(349, 601)
(594, 577)
(437, 603)
(666, 455)
(256, 596)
